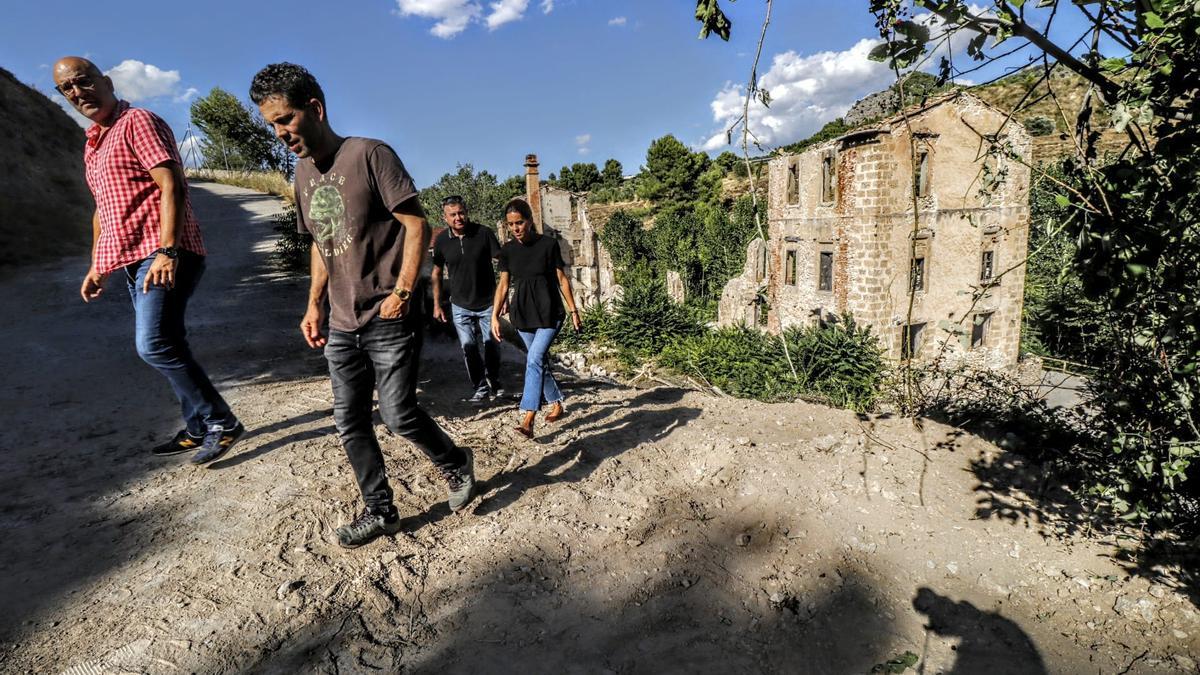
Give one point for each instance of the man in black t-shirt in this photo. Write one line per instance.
(465, 249)
(354, 196)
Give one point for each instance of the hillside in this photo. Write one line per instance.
(1057, 100)
(45, 206)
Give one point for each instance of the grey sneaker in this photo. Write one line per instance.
(479, 396)
(498, 392)
(461, 482)
(367, 527)
(217, 442)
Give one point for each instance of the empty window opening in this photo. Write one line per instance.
(917, 274)
(980, 328)
(789, 268)
(987, 266)
(825, 271)
(910, 340)
(793, 181)
(828, 177)
(921, 174)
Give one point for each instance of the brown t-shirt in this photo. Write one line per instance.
(348, 210)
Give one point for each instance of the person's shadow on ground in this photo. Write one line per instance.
(990, 643)
(591, 447)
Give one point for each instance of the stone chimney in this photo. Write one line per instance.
(533, 191)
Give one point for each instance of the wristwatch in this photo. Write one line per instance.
(404, 294)
(169, 251)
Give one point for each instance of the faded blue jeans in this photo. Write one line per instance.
(539, 381)
(161, 339)
(473, 327)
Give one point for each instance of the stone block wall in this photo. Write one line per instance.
(869, 225)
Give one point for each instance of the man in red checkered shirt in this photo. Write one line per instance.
(144, 230)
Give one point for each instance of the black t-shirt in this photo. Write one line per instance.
(532, 272)
(348, 210)
(468, 264)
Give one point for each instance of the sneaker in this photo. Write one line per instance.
(367, 527)
(498, 392)
(461, 482)
(217, 442)
(182, 442)
(479, 396)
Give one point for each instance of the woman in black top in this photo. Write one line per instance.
(534, 265)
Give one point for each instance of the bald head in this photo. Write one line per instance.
(86, 88)
(77, 64)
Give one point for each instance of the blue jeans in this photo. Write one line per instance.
(539, 381)
(161, 339)
(383, 354)
(475, 326)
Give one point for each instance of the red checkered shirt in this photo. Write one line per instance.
(118, 162)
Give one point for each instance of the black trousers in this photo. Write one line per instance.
(384, 354)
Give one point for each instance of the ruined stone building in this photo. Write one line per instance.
(562, 214)
(842, 237)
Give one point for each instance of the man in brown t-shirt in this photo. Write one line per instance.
(369, 235)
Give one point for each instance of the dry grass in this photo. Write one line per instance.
(268, 182)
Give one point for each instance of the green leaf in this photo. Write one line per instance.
(1113, 65)
(1152, 20)
(897, 664)
(880, 52)
(1062, 201)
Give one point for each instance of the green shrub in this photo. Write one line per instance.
(739, 361)
(292, 248)
(646, 320)
(841, 362)
(597, 326)
(1039, 126)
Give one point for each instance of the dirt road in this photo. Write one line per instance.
(650, 530)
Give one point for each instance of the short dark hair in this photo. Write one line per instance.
(294, 83)
(454, 200)
(519, 206)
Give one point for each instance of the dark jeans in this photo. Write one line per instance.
(383, 354)
(474, 327)
(161, 339)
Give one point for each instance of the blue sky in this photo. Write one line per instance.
(476, 81)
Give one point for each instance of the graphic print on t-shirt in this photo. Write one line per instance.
(327, 213)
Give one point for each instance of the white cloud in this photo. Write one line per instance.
(452, 15)
(71, 111)
(547, 6)
(189, 151)
(137, 81)
(806, 92)
(582, 141)
(505, 11)
(187, 96)
(617, 21)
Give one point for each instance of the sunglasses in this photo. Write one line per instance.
(79, 83)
